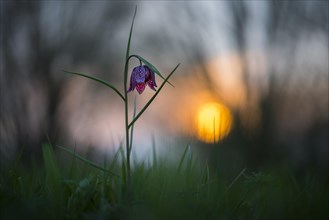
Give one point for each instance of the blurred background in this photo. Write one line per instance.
(251, 91)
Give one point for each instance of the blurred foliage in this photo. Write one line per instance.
(185, 189)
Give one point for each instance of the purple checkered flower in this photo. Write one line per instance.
(140, 76)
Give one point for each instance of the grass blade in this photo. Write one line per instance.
(51, 166)
(123, 166)
(115, 159)
(206, 174)
(86, 160)
(151, 67)
(53, 181)
(153, 97)
(73, 164)
(128, 48)
(183, 158)
(97, 80)
(236, 178)
(154, 152)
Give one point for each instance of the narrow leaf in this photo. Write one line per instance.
(86, 160)
(97, 80)
(153, 68)
(153, 97)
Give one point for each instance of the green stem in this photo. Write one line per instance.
(126, 124)
(127, 135)
(126, 102)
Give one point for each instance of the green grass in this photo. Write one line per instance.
(67, 186)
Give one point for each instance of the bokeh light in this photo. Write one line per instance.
(214, 122)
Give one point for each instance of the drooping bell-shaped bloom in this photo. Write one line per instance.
(140, 76)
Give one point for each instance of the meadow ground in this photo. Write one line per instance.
(76, 188)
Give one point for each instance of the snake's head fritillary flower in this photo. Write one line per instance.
(140, 76)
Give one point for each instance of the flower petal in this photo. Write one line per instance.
(132, 84)
(151, 85)
(151, 79)
(132, 81)
(140, 87)
(139, 73)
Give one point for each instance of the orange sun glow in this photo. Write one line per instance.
(214, 122)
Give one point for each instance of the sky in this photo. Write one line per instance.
(242, 56)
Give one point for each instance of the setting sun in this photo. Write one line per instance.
(213, 122)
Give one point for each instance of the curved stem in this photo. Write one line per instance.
(133, 55)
